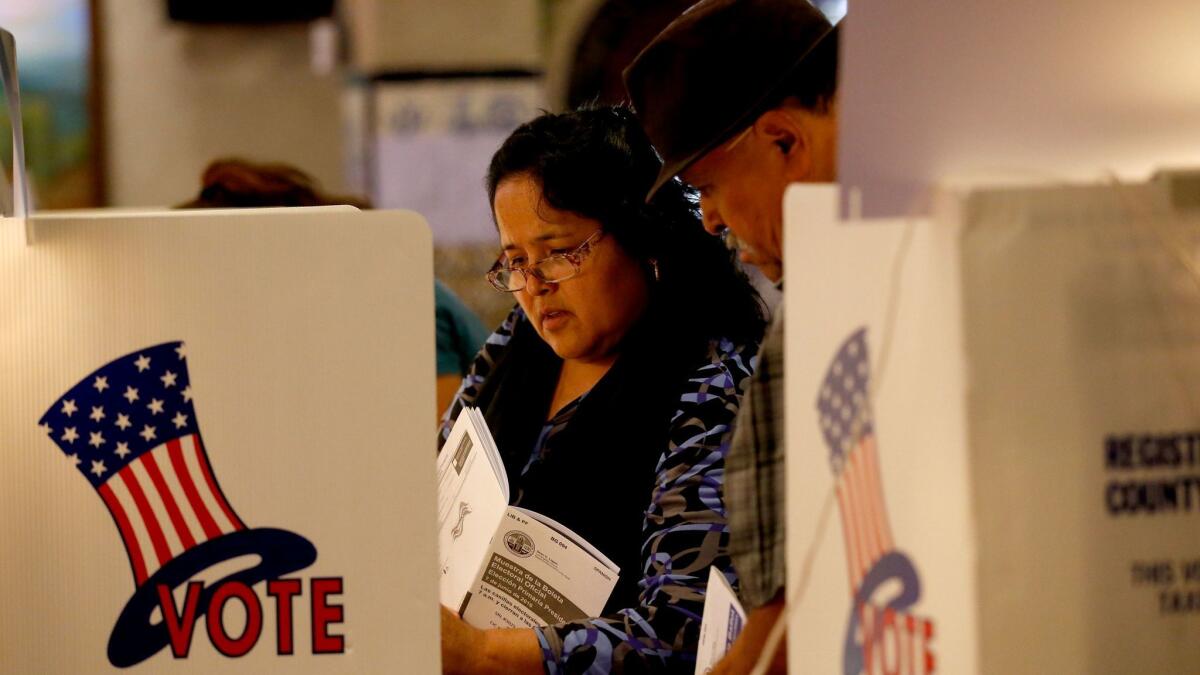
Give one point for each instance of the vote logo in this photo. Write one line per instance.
(882, 633)
(130, 429)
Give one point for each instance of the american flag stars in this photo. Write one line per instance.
(140, 450)
(123, 410)
(845, 414)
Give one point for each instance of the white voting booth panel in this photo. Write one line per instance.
(996, 406)
(895, 503)
(232, 406)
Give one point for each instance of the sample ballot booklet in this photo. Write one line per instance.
(721, 623)
(503, 566)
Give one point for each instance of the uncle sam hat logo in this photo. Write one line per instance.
(873, 560)
(130, 428)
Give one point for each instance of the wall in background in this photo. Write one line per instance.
(436, 35)
(179, 95)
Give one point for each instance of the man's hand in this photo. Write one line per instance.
(747, 649)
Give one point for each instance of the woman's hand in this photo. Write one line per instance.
(466, 649)
(460, 644)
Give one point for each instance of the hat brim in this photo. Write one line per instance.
(675, 167)
(134, 638)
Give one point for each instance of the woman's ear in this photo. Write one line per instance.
(790, 139)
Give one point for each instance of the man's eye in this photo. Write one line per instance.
(560, 251)
(516, 262)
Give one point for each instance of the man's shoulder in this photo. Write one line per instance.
(771, 350)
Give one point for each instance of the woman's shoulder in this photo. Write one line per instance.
(734, 360)
(715, 386)
(485, 362)
(704, 415)
(505, 330)
(497, 343)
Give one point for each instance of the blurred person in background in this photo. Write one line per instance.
(460, 336)
(233, 183)
(237, 183)
(740, 123)
(610, 388)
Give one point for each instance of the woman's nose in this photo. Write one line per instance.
(535, 286)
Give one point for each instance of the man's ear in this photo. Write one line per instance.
(790, 139)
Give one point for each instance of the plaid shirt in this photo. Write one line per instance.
(755, 476)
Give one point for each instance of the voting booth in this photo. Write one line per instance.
(993, 433)
(217, 436)
(992, 346)
(218, 442)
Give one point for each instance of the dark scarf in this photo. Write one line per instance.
(599, 477)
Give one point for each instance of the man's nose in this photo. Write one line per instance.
(710, 217)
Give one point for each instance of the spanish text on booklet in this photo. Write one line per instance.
(503, 566)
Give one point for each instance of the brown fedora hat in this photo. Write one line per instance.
(714, 69)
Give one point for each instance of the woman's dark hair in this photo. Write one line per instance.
(596, 162)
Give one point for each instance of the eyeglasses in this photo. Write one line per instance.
(551, 269)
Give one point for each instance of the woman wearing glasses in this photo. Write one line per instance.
(611, 388)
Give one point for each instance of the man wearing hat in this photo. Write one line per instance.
(739, 97)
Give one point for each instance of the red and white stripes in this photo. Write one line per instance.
(865, 525)
(165, 502)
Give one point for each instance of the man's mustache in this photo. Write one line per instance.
(730, 240)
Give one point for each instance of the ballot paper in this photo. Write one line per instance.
(504, 566)
(721, 624)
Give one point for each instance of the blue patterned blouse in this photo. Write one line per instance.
(685, 529)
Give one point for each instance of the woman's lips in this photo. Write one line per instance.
(554, 319)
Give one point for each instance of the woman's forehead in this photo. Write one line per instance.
(532, 231)
(522, 210)
(517, 237)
